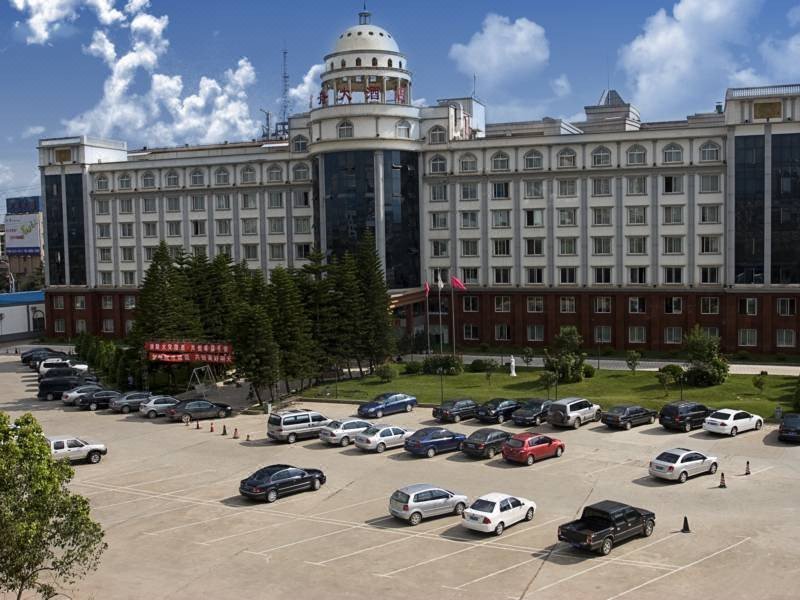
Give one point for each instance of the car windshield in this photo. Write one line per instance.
(791, 419)
(373, 431)
(667, 457)
(532, 405)
(447, 405)
(669, 409)
(84, 442)
(721, 416)
(335, 425)
(264, 474)
(618, 410)
(480, 436)
(421, 434)
(382, 397)
(274, 420)
(514, 443)
(494, 402)
(401, 497)
(483, 506)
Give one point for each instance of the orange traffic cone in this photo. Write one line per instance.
(224, 429)
(212, 427)
(722, 481)
(747, 468)
(685, 528)
(197, 424)
(236, 433)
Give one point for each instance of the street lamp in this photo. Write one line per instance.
(440, 371)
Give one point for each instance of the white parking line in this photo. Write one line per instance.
(327, 512)
(514, 566)
(757, 472)
(626, 463)
(303, 541)
(249, 531)
(691, 564)
(136, 485)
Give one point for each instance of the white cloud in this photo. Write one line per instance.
(793, 16)
(782, 58)
(307, 89)
(561, 86)
(102, 48)
(32, 131)
(45, 17)
(502, 49)
(135, 6)
(6, 176)
(419, 102)
(687, 55)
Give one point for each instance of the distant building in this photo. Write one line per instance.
(24, 243)
(21, 315)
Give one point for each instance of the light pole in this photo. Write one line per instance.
(440, 371)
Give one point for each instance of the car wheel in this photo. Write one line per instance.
(499, 529)
(628, 425)
(758, 425)
(598, 415)
(648, 528)
(379, 414)
(409, 408)
(537, 421)
(530, 460)
(529, 515)
(683, 477)
(152, 414)
(459, 509)
(125, 409)
(93, 406)
(315, 485)
(559, 451)
(457, 418)
(186, 418)
(93, 458)
(712, 469)
(608, 544)
(577, 423)
(652, 419)
(381, 447)
(292, 438)
(344, 442)
(431, 452)
(687, 427)
(500, 418)
(221, 414)
(734, 431)
(490, 453)
(271, 496)
(415, 519)
(48, 397)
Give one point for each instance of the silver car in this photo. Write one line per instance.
(74, 448)
(343, 432)
(381, 436)
(70, 397)
(156, 406)
(128, 401)
(572, 412)
(422, 500)
(679, 464)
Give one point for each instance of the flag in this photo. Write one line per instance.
(427, 289)
(457, 284)
(439, 282)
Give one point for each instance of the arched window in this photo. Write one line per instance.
(300, 172)
(358, 62)
(345, 129)
(533, 160)
(222, 177)
(673, 153)
(404, 129)
(566, 158)
(709, 152)
(300, 144)
(438, 164)
(332, 66)
(101, 183)
(637, 155)
(248, 174)
(468, 163)
(389, 63)
(274, 174)
(124, 181)
(148, 180)
(374, 62)
(437, 135)
(401, 64)
(343, 63)
(197, 177)
(500, 161)
(601, 157)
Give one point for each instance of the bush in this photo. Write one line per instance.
(588, 371)
(385, 372)
(780, 358)
(413, 367)
(451, 365)
(477, 366)
(607, 352)
(742, 355)
(763, 373)
(675, 372)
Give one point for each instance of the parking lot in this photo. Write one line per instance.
(167, 496)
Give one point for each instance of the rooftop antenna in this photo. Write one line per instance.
(265, 128)
(364, 15)
(282, 126)
(474, 85)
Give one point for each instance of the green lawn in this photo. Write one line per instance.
(606, 388)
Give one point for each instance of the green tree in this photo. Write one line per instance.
(547, 380)
(632, 358)
(348, 309)
(48, 536)
(256, 354)
(566, 360)
(150, 318)
(663, 379)
(527, 356)
(316, 288)
(759, 382)
(674, 372)
(490, 366)
(290, 326)
(707, 366)
(377, 337)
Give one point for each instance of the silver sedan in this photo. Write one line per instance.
(380, 437)
(679, 464)
(422, 500)
(343, 432)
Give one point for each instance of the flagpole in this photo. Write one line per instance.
(453, 312)
(428, 321)
(441, 335)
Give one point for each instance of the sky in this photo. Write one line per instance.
(167, 72)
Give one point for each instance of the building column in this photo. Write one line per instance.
(550, 228)
(321, 217)
(380, 215)
(619, 238)
(584, 229)
(730, 209)
(65, 227)
(767, 204)
(691, 241)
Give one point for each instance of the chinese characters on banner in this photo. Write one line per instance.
(373, 93)
(177, 352)
(400, 95)
(323, 98)
(344, 94)
(190, 357)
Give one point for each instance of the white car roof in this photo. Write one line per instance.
(495, 497)
(728, 411)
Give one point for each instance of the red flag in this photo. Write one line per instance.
(457, 284)
(427, 289)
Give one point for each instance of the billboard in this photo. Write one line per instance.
(23, 205)
(180, 351)
(23, 234)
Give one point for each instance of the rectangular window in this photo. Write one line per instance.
(275, 225)
(439, 248)
(567, 217)
(673, 215)
(225, 249)
(223, 201)
(673, 275)
(442, 273)
(501, 218)
(502, 332)
(673, 335)
(501, 247)
(785, 338)
(275, 200)
(709, 184)
(601, 246)
(567, 246)
(535, 304)
(566, 304)
(198, 228)
(223, 226)
(107, 302)
(198, 203)
(471, 332)
(248, 201)
(469, 220)
(126, 230)
(301, 251)
(709, 275)
(601, 186)
(58, 302)
(250, 226)
(79, 302)
(637, 245)
(535, 275)
(567, 187)
(302, 225)
(108, 325)
(534, 217)
(568, 275)
(103, 255)
(602, 334)
(637, 275)
(748, 306)
(534, 188)
(173, 204)
(149, 205)
(173, 228)
(602, 304)
(470, 303)
(105, 278)
(502, 304)
(125, 206)
(602, 274)
(637, 215)
(102, 207)
(534, 247)
(149, 251)
(601, 215)
(709, 305)
(710, 214)
(709, 244)
(469, 192)
(129, 278)
(535, 333)
(748, 337)
(711, 331)
(438, 192)
(673, 305)
(673, 244)
(439, 220)
(301, 199)
(469, 248)
(127, 253)
(250, 251)
(673, 184)
(637, 185)
(469, 275)
(502, 276)
(637, 305)
(500, 190)
(276, 251)
(786, 307)
(59, 325)
(637, 334)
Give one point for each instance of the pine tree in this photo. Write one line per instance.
(347, 312)
(256, 354)
(316, 288)
(150, 316)
(377, 336)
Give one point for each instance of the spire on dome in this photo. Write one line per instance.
(364, 16)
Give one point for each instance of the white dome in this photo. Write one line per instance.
(366, 37)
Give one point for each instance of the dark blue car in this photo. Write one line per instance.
(386, 404)
(429, 441)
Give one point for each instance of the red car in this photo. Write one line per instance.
(529, 447)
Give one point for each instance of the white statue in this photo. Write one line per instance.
(513, 366)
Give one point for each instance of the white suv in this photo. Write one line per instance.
(288, 425)
(73, 448)
(572, 412)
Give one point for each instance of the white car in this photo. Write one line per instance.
(51, 363)
(75, 448)
(728, 421)
(379, 437)
(679, 464)
(343, 432)
(494, 512)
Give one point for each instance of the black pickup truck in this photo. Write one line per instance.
(606, 523)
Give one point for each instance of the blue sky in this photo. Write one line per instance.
(168, 71)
